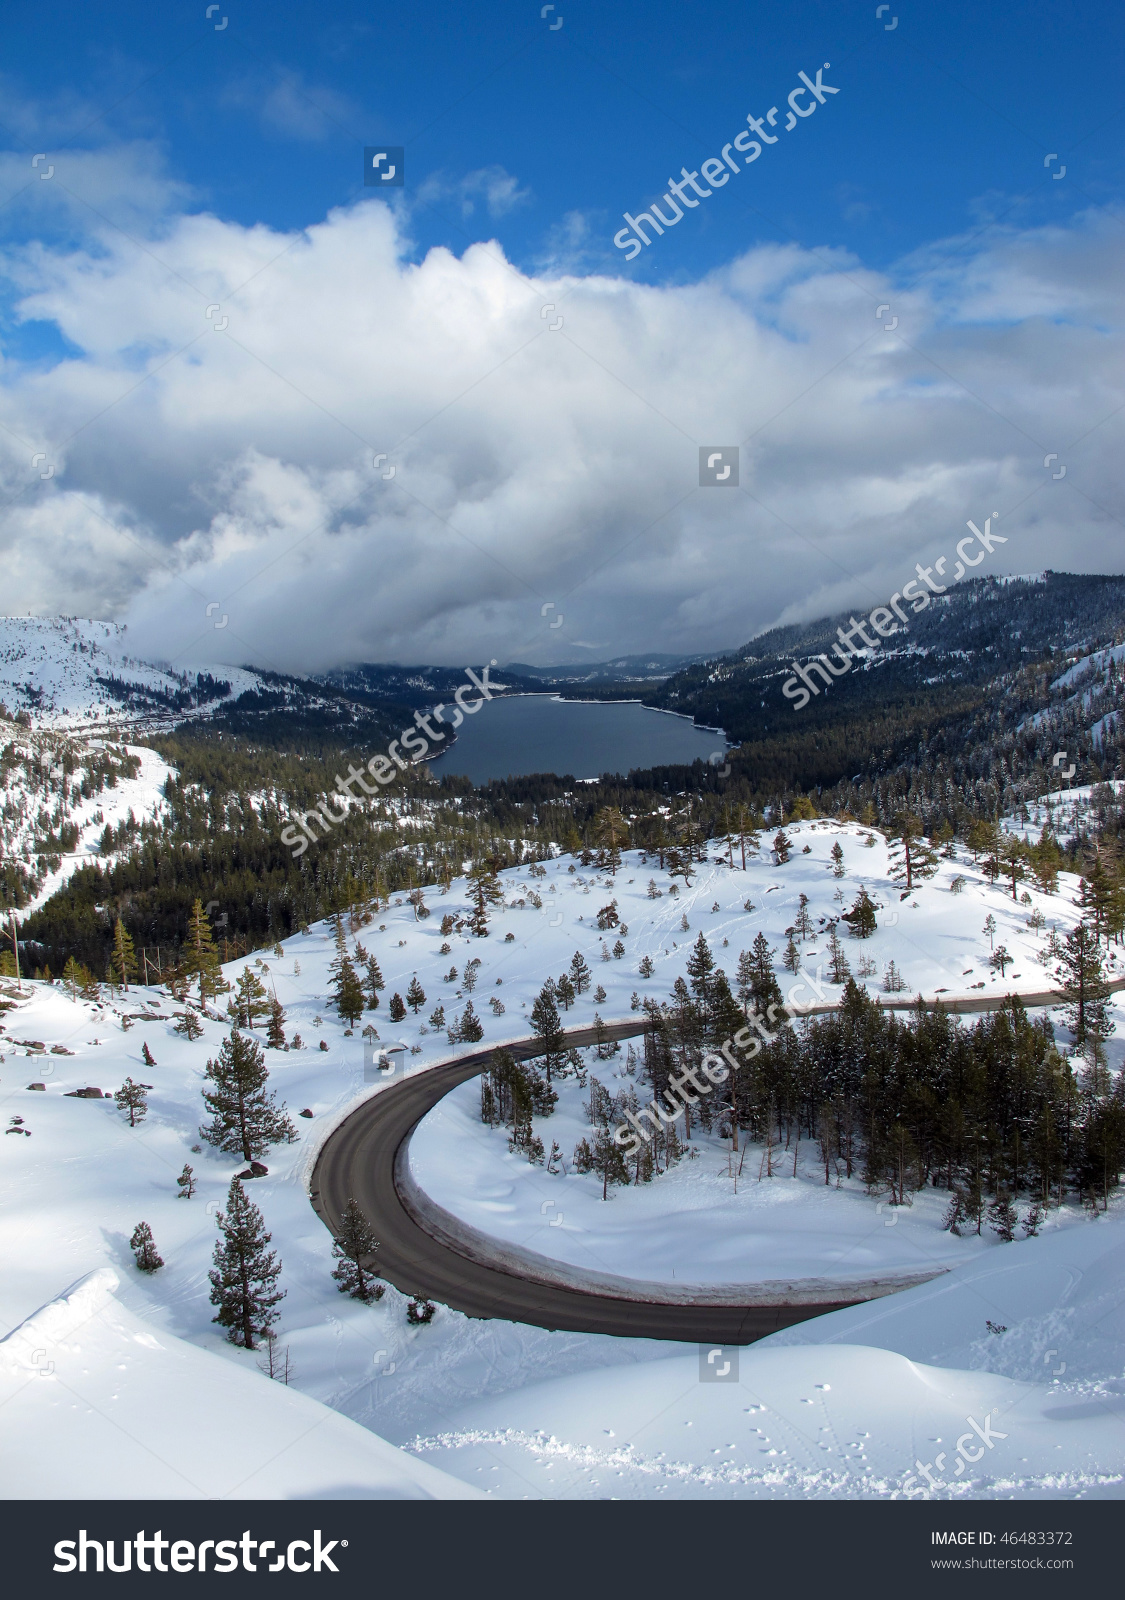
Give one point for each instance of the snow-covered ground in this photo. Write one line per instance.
(907, 1397)
(97, 1404)
(74, 1190)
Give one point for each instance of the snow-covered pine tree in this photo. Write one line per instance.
(244, 1276)
(353, 1249)
(143, 1247)
(146, 1055)
(245, 1118)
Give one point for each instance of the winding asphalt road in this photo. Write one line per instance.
(359, 1160)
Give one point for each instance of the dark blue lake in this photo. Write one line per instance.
(540, 733)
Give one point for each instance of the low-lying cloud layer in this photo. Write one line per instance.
(209, 433)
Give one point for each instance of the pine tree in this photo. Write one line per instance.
(645, 970)
(147, 1056)
(700, 966)
(76, 977)
(838, 960)
(350, 998)
(397, 1008)
(353, 1249)
(131, 1097)
(861, 918)
(188, 1024)
(838, 868)
(608, 1161)
(374, 983)
(917, 861)
(486, 890)
(143, 1246)
(1003, 1217)
(187, 1183)
(415, 995)
(200, 958)
(245, 1273)
(250, 1000)
(565, 991)
(611, 832)
(275, 1034)
(782, 847)
(1012, 854)
(990, 929)
(124, 959)
(420, 1311)
(470, 1028)
(548, 1030)
(1085, 991)
(792, 957)
(245, 1119)
(580, 974)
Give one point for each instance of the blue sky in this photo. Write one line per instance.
(941, 122)
(195, 164)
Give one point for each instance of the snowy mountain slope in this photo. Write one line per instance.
(61, 791)
(70, 672)
(71, 1193)
(97, 1403)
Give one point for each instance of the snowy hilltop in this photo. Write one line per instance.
(70, 672)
